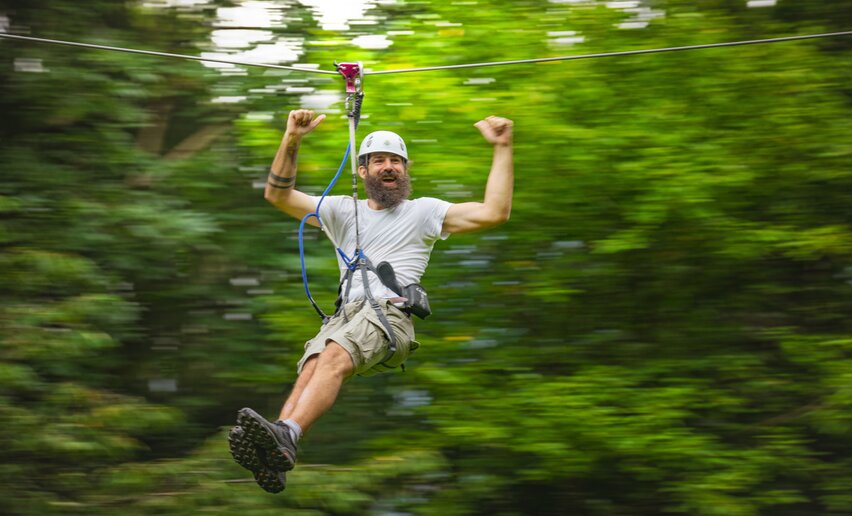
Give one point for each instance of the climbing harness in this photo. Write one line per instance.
(353, 75)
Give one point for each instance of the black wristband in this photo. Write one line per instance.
(283, 187)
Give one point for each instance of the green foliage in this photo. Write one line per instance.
(661, 327)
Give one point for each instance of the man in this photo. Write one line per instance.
(392, 228)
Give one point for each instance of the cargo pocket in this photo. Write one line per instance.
(367, 341)
(405, 343)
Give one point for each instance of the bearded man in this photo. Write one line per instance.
(392, 229)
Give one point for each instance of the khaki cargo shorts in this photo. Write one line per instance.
(365, 337)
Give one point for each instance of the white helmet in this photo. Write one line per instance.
(383, 141)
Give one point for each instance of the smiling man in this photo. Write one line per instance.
(394, 231)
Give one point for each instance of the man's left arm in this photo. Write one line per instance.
(497, 205)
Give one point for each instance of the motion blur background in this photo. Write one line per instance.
(662, 327)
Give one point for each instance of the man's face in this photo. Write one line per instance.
(386, 179)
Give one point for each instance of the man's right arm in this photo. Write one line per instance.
(280, 185)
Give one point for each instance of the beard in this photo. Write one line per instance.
(387, 197)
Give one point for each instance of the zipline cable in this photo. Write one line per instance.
(613, 54)
(441, 67)
(163, 54)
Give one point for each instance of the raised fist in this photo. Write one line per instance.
(496, 130)
(302, 121)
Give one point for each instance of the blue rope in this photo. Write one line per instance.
(347, 260)
(316, 215)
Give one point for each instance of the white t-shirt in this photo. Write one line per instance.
(403, 236)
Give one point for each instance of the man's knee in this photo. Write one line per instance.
(337, 360)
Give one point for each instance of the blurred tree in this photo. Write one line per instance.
(103, 264)
(624, 344)
(662, 327)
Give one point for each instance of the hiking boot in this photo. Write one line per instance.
(272, 441)
(249, 457)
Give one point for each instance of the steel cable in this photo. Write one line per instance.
(163, 54)
(612, 54)
(440, 67)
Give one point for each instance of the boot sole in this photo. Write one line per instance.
(270, 481)
(276, 457)
(246, 455)
(243, 451)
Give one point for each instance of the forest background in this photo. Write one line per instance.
(662, 327)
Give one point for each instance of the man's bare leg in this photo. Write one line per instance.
(266, 447)
(304, 377)
(319, 393)
(245, 450)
